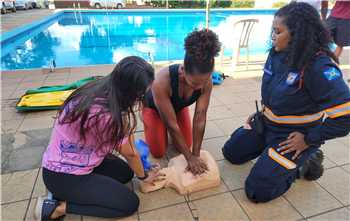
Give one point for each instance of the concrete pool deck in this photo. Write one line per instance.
(24, 137)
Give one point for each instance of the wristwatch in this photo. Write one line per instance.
(144, 177)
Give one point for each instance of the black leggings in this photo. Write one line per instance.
(100, 193)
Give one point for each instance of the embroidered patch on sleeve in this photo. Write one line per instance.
(331, 73)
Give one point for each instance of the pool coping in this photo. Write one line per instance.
(7, 36)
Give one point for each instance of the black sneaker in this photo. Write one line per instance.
(312, 168)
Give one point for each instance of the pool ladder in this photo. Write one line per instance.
(75, 13)
(52, 65)
(151, 58)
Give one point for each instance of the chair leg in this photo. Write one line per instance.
(235, 59)
(222, 55)
(247, 61)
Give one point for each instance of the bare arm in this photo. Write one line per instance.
(200, 118)
(129, 152)
(161, 95)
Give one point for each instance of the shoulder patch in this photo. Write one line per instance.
(331, 73)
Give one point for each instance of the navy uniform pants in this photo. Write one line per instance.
(273, 174)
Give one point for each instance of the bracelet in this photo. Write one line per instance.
(144, 177)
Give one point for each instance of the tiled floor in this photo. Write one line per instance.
(22, 17)
(25, 136)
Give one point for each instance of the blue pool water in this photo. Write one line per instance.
(90, 38)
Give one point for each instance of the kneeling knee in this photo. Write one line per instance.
(129, 207)
(258, 196)
(258, 192)
(132, 205)
(158, 154)
(231, 157)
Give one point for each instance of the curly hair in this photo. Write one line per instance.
(201, 47)
(309, 35)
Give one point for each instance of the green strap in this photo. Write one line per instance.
(27, 108)
(71, 86)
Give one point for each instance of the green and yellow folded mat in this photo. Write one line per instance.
(49, 97)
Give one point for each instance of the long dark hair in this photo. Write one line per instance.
(201, 47)
(116, 95)
(309, 35)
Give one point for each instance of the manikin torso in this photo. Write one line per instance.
(184, 182)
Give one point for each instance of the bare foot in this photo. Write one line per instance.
(59, 211)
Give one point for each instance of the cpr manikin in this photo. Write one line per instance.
(184, 182)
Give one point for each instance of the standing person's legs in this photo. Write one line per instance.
(155, 132)
(338, 51)
(184, 122)
(340, 31)
(95, 194)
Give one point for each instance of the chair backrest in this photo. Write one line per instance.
(248, 25)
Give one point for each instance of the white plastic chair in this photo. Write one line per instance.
(243, 42)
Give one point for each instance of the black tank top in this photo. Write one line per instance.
(177, 102)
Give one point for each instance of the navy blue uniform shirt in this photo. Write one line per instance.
(317, 104)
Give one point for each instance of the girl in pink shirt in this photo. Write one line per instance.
(79, 168)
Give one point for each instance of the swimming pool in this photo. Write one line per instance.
(104, 37)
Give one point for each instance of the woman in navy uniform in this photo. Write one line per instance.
(305, 102)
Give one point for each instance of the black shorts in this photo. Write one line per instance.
(340, 30)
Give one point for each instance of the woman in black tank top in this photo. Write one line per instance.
(177, 101)
(174, 89)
